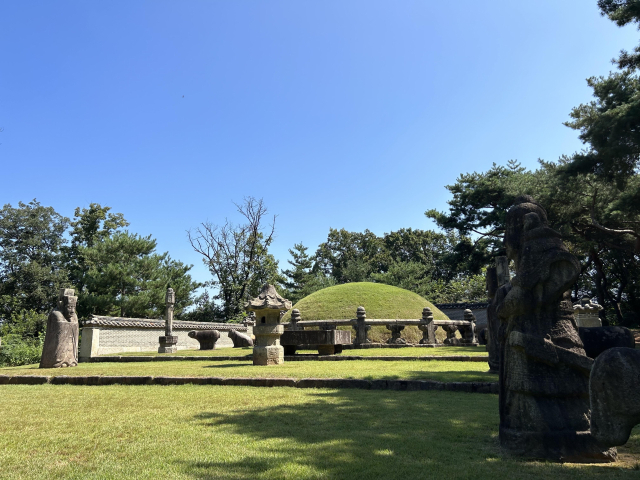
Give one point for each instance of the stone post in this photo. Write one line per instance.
(268, 307)
(428, 328)
(361, 327)
(295, 318)
(470, 332)
(168, 342)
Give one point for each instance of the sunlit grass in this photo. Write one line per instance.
(444, 371)
(199, 432)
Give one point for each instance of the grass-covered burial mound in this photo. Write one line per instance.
(379, 300)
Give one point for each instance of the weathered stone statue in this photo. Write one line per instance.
(268, 307)
(497, 287)
(615, 395)
(544, 372)
(61, 341)
(206, 338)
(240, 340)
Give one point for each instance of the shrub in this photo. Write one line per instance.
(16, 351)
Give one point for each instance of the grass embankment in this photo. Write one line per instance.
(441, 371)
(380, 301)
(197, 432)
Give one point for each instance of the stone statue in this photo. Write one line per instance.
(497, 287)
(61, 341)
(544, 372)
(206, 338)
(240, 340)
(615, 395)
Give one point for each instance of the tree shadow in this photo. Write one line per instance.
(372, 434)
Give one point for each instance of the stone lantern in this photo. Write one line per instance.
(267, 308)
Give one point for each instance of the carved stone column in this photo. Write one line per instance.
(295, 318)
(169, 342)
(361, 327)
(268, 307)
(428, 328)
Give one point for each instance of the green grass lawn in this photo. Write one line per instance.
(360, 352)
(199, 432)
(443, 371)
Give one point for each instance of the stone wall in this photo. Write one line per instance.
(111, 335)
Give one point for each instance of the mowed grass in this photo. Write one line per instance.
(443, 371)
(380, 302)
(200, 432)
(360, 352)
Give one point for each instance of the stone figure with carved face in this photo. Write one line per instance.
(544, 371)
(61, 342)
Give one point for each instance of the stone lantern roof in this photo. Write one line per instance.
(268, 299)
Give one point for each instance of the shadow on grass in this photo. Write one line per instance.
(363, 434)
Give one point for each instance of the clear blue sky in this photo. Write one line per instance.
(343, 114)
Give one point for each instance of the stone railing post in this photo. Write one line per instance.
(295, 318)
(428, 328)
(470, 333)
(361, 327)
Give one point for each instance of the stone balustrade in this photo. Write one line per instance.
(426, 324)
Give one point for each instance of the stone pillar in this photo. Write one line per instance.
(168, 342)
(268, 307)
(428, 328)
(90, 343)
(295, 318)
(470, 332)
(396, 331)
(361, 327)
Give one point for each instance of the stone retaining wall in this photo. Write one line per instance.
(409, 385)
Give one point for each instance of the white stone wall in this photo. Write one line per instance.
(112, 340)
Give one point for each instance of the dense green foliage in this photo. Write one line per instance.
(441, 267)
(584, 210)
(17, 350)
(113, 271)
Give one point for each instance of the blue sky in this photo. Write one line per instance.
(343, 114)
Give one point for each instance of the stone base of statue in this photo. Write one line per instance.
(267, 349)
(272, 355)
(568, 446)
(168, 344)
